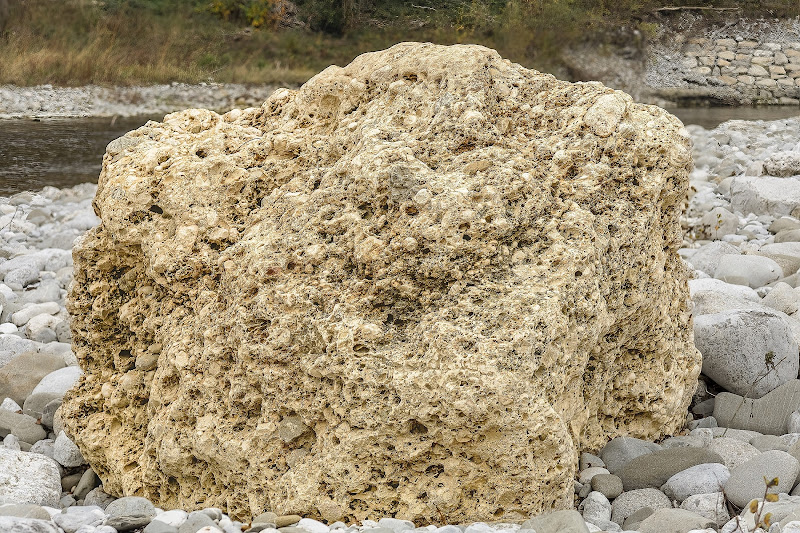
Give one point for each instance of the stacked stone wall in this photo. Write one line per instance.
(766, 72)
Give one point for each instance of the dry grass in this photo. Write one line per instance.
(76, 42)
(89, 44)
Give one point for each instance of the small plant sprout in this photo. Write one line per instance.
(758, 508)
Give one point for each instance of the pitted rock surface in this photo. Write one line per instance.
(417, 286)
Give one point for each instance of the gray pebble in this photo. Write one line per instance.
(619, 451)
(631, 501)
(733, 451)
(195, 521)
(130, 512)
(68, 482)
(67, 501)
(27, 525)
(765, 443)
(747, 480)
(699, 479)
(396, 525)
(711, 506)
(596, 507)
(24, 510)
(49, 412)
(585, 476)
(569, 521)
(683, 442)
(87, 482)
(589, 460)
(707, 422)
(66, 452)
(287, 520)
(72, 518)
(98, 497)
(704, 408)
(21, 426)
(157, 526)
(674, 521)
(11, 442)
(292, 529)
(769, 414)
(213, 513)
(633, 521)
(607, 484)
(653, 470)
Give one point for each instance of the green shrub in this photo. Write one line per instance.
(257, 13)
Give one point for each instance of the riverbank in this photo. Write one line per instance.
(47, 101)
(638, 47)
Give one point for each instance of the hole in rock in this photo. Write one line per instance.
(124, 353)
(366, 211)
(465, 146)
(467, 238)
(201, 154)
(157, 210)
(434, 470)
(418, 428)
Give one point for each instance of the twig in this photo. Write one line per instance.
(441, 514)
(247, 141)
(423, 7)
(767, 365)
(695, 8)
(12, 219)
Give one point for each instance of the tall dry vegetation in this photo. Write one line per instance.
(73, 42)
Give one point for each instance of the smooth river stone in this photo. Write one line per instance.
(654, 469)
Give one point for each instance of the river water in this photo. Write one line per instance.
(66, 152)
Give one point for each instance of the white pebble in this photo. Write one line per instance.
(312, 526)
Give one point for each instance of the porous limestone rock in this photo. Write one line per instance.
(417, 286)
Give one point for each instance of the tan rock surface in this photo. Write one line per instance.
(416, 286)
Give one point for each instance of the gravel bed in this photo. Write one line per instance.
(742, 436)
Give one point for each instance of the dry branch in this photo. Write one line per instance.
(695, 8)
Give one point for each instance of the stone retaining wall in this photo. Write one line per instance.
(765, 72)
(738, 62)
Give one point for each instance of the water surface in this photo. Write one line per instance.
(711, 117)
(66, 152)
(61, 152)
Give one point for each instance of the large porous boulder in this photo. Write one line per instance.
(416, 286)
